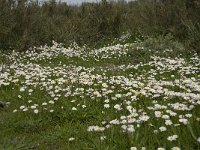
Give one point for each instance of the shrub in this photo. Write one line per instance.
(25, 24)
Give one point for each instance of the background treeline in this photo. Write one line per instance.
(24, 23)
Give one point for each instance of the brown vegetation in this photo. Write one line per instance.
(25, 24)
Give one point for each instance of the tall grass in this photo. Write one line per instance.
(29, 23)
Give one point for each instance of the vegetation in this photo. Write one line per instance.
(26, 23)
(103, 76)
(128, 95)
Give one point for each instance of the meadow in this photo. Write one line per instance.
(138, 95)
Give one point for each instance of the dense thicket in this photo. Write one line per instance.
(26, 23)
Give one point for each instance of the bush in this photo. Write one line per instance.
(25, 24)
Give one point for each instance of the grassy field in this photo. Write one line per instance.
(120, 96)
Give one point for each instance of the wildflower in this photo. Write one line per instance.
(117, 106)
(15, 110)
(184, 121)
(158, 114)
(71, 139)
(168, 122)
(130, 128)
(30, 90)
(44, 104)
(51, 102)
(22, 89)
(74, 108)
(96, 128)
(33, 107)
(188, 115)
(172, 138)
(36, 111)
(165, 117)
(144, 118)
(106, 101)
(72, 101)
(160, 148)
(83, 106)
(21, 107)
(25, 109)
(102, 138)
(198, 140)
(51, 110)
(163, 129)
(104, 85)
(133, 148)
(118, 95)
(106, 105)
(198, 119)
(176, 148)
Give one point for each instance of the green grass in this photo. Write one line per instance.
(52, 130)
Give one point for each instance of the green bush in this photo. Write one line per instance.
(26, 24)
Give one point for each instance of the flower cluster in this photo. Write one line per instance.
(164, 90)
